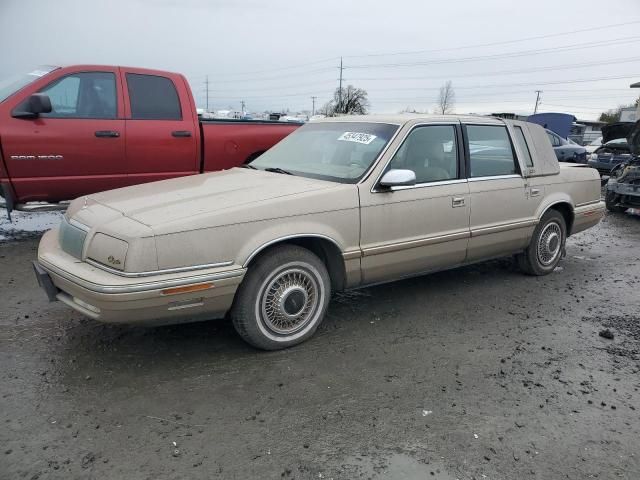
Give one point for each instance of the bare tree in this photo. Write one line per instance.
(446, 99)
(348, 101)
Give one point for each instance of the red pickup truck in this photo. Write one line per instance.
(67, 132)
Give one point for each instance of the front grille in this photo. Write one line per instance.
(71, 238)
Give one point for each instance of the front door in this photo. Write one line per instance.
(77, 148)
(162, 132)
(414, 229)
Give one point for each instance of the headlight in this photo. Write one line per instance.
(108, 251)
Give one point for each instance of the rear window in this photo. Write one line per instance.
(153, 98)
(524, 148)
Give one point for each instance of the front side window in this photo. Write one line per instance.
(524, 148)
(83, 95)
(490, 151)
(429, 151)
(334, 151)
(153, 98)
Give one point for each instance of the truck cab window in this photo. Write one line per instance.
(490, 151)
(83, 95)
(153, 98)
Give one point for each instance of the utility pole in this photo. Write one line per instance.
(340, 86)
(206, 84)
(538, 92)
(313, 106)
(242, 107)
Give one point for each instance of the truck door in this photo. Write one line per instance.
(77, 148)
(162, 130)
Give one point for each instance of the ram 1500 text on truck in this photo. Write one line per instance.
(67, 132)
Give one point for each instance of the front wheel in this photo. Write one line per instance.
(283, 298)
(546, 246)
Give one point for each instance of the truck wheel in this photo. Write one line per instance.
(611, 201)
(282, 299)
(547, 245)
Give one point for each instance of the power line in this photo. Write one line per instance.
(539, 51)
(492, 44)
(505, 72)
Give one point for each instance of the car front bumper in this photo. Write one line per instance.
(156, 299)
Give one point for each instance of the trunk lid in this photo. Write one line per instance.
(616, 130)
(634, 139)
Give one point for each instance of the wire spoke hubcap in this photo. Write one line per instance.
(549, 244)
(289, 301)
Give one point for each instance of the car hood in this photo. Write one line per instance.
(634, 139)
(164, 202)
(616, 130)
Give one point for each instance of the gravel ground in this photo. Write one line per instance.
(479, 372)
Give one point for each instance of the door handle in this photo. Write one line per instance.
(534, 192)
(181, 133)
(107, 133)
(457, 202)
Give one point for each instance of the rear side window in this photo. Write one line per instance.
(153, 98)
(490, 151)
(522, 143)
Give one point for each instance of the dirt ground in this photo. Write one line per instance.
(474, 373)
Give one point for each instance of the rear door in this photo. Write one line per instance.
(162, 131)
(77, 148)
(503, 204)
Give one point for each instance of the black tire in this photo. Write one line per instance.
(282, 299)
(611, 200)
(546, 247)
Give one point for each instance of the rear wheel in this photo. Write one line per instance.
(611, 201)
(282, 299)
(546, 247)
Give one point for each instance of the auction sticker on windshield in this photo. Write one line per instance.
(357, 137)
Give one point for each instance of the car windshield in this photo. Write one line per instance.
(10, 85)
(336, 151)
(596, 142)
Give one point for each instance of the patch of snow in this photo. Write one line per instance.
(26, 224)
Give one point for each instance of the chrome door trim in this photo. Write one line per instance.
(157, 272)
(503, 227)
(422, 185)
(495, 177)
(421, 242)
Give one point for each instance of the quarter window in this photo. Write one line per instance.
(153, 98)
(524, 148)
(431, 152)
(83, 95)
(490, 151)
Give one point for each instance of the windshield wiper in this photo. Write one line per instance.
(277, 170)
(246, 165)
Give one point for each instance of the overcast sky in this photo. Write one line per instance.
(276, 54)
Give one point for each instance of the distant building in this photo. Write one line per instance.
(629, 114)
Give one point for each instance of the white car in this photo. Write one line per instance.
(591, 147)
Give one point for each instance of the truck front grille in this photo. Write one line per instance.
(71, 238)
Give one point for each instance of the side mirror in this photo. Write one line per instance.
(398, 178)
(32, 107)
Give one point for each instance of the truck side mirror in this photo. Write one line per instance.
(33, 106)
